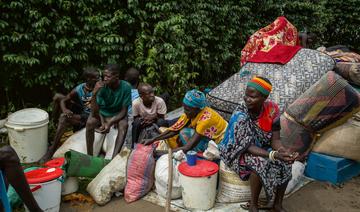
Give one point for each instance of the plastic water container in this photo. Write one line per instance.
(45, 184)
(28, 133)
(199, 184)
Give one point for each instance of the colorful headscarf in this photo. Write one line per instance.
(260, 85)
(195, 98)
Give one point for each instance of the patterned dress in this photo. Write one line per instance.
(243, 132)
(207, 123)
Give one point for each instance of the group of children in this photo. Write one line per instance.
(99, 104)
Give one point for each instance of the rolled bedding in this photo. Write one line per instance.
(326, 104)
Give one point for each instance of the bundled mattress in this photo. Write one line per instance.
(328, 102)
(289, 80)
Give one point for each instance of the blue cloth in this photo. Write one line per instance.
(134, 95)
(185, 135)
(195, 98)
(207, 90)
(230, 130)
(85, 98)
(3, 194)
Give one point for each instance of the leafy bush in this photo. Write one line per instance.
(176, 44)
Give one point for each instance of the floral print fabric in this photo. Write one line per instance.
(281, 31)
(207, 123)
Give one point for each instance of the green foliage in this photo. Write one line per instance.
(345, 23)
(176, 44)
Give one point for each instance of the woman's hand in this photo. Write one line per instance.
(284, 156)
(147, 141)
(293, 155)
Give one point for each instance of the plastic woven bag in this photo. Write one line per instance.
(140, 172)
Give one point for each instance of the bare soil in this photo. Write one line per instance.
(316, 196)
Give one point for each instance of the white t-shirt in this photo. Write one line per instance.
(157, 107)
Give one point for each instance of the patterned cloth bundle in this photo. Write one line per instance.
(329, 102)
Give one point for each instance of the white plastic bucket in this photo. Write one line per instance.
(47, 195)
(198, 192)
(28, 133)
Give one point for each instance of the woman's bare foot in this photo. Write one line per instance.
(278, 208)
(253, 208)
(266, 206)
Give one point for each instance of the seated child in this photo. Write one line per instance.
(148, 109)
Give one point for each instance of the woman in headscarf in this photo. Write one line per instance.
(251, 145)
(197, 126)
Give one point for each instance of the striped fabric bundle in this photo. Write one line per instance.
(328, 102)
(293, 136)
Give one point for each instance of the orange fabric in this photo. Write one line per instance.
(281, 31)
(269, 113)
(263, 83)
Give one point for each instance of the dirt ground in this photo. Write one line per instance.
(316, 196)
(319, 196)
(115, 205)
